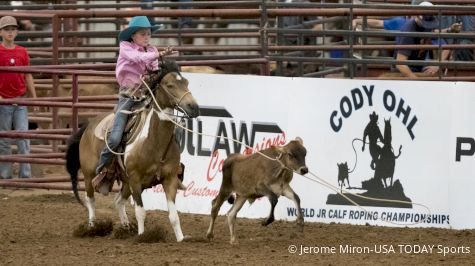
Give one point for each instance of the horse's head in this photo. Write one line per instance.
(171, 89)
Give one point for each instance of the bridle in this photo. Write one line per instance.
(172, 99)
(176, 104)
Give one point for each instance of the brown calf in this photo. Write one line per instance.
(254, 176)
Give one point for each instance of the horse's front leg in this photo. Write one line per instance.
(170, 185)
(120, 200)
(136, 188)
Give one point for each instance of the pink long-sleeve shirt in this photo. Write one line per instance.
(133, 61)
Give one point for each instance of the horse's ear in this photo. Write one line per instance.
(175, 66)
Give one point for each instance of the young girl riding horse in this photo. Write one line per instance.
(136, 58)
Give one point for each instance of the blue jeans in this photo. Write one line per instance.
(116, 132)
(16, 118)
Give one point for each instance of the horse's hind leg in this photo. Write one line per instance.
(120, 200)
(89, 200)
(170, 185)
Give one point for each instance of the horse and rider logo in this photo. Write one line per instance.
(383, 163)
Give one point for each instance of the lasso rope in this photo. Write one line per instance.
(316, 178)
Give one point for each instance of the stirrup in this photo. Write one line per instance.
(96, 181)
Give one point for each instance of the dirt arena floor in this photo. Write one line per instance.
(36, 228)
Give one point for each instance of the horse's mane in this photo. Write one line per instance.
(166, 66)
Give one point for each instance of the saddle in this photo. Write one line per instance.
(134, 124)
(133, 128)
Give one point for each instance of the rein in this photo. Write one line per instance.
(176, 104)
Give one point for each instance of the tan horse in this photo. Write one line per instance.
(152, 158)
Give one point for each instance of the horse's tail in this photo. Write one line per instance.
(72, 160)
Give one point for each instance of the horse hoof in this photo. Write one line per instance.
(210, 236)
(185, 238)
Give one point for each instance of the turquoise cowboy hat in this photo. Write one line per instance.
(135, 24)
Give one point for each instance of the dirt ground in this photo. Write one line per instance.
(36, 228)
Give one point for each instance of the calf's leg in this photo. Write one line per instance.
(240, 200)
(290, 194)
(215, 206)
(273, 198)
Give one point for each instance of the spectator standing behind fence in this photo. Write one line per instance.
(425, 23)
(390, 24)
(13, 85)
(394, 23)
(136, 57)
(467, 26)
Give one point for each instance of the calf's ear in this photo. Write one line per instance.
(300, 140)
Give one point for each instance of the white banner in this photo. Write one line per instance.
(462, 157)
(416, 147)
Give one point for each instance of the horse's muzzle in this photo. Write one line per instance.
(192, 110)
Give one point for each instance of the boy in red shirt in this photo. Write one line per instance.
(13, 85)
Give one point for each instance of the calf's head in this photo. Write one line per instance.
(293, 156)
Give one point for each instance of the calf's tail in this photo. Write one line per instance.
(72, 160)
(231, 199)
(227, 175)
